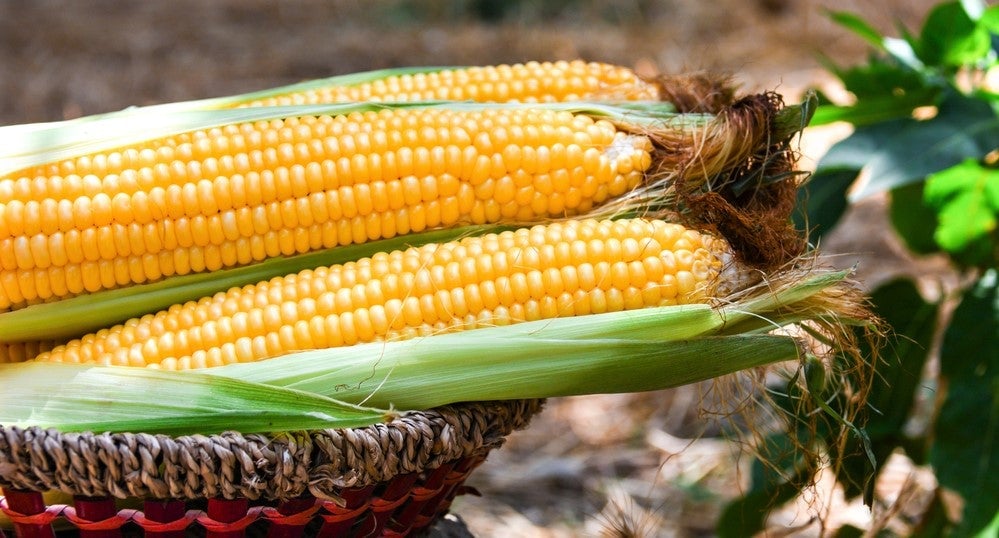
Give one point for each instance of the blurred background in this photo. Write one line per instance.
(587, 465)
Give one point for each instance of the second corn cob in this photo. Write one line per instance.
(570, 268)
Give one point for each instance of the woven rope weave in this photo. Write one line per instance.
(232, 465)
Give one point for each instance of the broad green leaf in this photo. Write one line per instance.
(914, 221)
(858, 26)
(854, 151)
(884, 91)
(965, 198)
(899, 49)
(824, 195)
(876, 109)
(990, 19)
(882, 80)
(904, 151)
(913, 322)
(965, 452)
(951, 38)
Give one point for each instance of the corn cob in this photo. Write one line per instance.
(241, 193)
(531, 82)
(569, 268)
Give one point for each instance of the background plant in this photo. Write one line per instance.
(926, 132)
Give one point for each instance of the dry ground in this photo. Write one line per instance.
(655, 456)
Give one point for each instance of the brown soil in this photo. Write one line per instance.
(587, 464)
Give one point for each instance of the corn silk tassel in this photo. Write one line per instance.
(727, 176)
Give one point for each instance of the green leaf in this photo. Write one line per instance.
(966, 197)
(898, 49)
(876, 109)
(858, 26)
(913, 322)
(884, 90)
(914, 221)
(990, 19)
(879, 79)
(854, 151)
(965, 453)
(904, 151)
(951, 38)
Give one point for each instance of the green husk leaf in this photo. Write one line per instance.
(615, 352)
(75, 316)
(73, 397)
(418, 375)
(626, 351)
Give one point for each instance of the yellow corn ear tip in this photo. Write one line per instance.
(529, 82)
(566, 268)
(239, 194)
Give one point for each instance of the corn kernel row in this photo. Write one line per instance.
(570, 268)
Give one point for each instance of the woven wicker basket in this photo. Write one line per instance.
(383, 480)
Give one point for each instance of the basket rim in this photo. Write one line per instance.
(231, 465)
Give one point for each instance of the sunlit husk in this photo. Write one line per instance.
(619, 352)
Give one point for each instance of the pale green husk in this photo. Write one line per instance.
(618, 352)
(72, 397)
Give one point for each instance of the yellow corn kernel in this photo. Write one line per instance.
(568, 268)
(233, 195)
(22, 351)
(530, 82)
